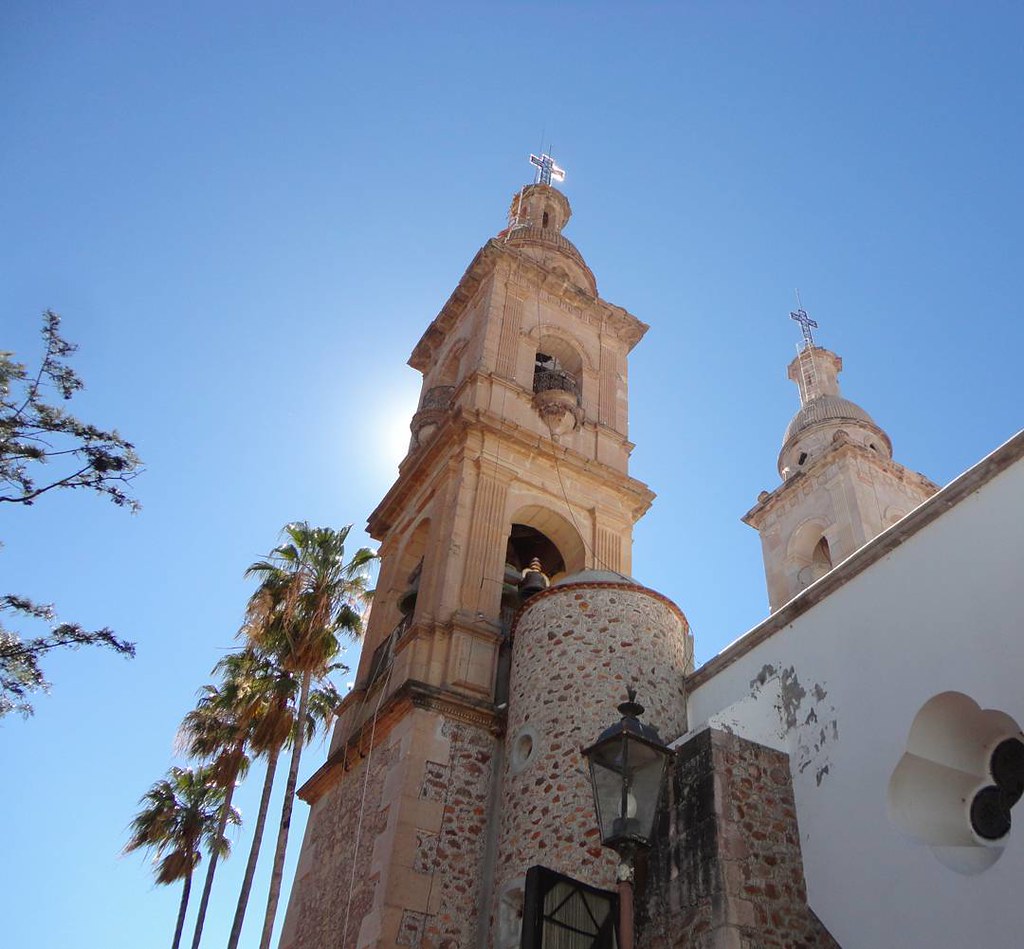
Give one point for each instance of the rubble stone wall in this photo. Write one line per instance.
(414, 866)
(336, 879)
(576, 648)
(726, 869)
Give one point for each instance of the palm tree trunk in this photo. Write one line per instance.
(229, 792)
(254, 850)
(181, 911)
(286, 815)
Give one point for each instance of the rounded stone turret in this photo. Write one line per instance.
(576, 647)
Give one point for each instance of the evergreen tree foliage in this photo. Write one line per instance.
(45, 448)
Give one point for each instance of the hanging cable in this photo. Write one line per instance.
(362, 799)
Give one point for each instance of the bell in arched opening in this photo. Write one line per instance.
(407, 601)
(534, 580)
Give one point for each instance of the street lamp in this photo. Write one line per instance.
(627, 771)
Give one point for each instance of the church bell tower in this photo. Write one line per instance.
(840, 486)
(516, 475)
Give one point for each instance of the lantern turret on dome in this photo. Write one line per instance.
(536, 216)
(824, 413)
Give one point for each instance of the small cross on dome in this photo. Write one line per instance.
(547, 169)
(805, 325)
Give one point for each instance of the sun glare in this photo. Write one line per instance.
(386, 433)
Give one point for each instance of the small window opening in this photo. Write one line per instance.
(873, 447)
(544, 220)
(802, 458)
(822, 557)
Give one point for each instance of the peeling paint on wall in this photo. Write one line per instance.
(805, 716)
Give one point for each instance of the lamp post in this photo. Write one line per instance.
(627, 771)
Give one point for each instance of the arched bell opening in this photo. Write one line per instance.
(532, 559)
(410, 571)
(557, 366)
(821, 556)
(526, 544)
(541, 547)
(399, 601)
(810, 552)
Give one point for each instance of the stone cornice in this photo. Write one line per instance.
(755, 516)
(614, 319)
(836, 424)
(621, 323)
(627, 585)
(411, 695)
(451, 437)
(934, 507)
(480, 267)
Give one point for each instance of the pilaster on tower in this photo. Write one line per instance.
(516, 475)
(840, 485)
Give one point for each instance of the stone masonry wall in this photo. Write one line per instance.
(576, 648)
(415, 875)
(332, 866)
(451, 856)
(726, 870)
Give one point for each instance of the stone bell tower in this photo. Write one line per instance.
(840, 485)
(516, 475)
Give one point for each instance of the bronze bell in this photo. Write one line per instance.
(534, 580)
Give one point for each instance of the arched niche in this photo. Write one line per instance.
(809, 551)
(552, 527)
(451, 367)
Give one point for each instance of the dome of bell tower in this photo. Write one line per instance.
(536, 217)
(824, 414)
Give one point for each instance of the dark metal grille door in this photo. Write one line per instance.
(562, 913)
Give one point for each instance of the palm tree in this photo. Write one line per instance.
(308, 595)
(217, 731)
(181, 815)
(276, 733)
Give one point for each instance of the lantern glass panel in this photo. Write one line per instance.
(627, 775)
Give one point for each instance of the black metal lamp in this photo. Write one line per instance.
(627, 770)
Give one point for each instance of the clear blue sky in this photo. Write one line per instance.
(248, 213)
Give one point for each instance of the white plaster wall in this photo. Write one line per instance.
(944, 611)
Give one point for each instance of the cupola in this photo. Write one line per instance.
(536, 217)
(824, 416)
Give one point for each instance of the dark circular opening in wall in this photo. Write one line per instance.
(523, 748)
(1007, 767)
(990, 814)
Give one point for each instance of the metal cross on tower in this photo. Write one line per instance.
(805, 325)
(547, 169)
